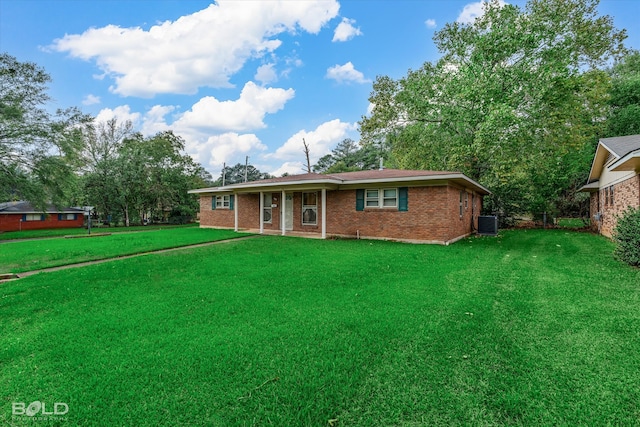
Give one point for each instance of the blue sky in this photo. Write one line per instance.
(236, 78)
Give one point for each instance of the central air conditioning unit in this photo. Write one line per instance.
(488, 225)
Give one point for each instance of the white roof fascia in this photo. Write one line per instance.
(333, 182)
(209, 190)
(409, 179)
(625, 159)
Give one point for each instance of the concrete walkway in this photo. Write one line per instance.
(102, 261)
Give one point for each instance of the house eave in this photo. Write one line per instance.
(591, 187)
(335, 184)
(630, 162)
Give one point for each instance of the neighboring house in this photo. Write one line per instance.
(614, 181)
(15, 216)
(409, 205)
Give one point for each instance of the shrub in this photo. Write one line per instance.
(626, 235)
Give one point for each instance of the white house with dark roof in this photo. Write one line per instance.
(408, 205)
(614, 181)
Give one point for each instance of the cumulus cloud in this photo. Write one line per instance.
(320, 141)
(345, 73)
(265, 74)
(346, 31)
(202, 49)
(245, 113)
(430, 23)
(91, 100)
(472, 11)
(229, 148)
(122, 113)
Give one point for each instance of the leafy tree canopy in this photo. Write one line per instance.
(39, 151)
(235, 174)
(516, 101)
(348, 156)
(625, 97)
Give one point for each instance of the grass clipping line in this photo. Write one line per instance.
(248, 396)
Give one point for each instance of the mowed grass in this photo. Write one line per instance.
(536, 327)
(78, 231)
(16, 257)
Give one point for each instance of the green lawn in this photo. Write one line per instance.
(33, 255)
(536, 327)
(77, 231)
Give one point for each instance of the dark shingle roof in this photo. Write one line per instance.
(622, 145)
(22, 207)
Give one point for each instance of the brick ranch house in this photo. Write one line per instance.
(614, 181)
(15, 216)
(408, 205)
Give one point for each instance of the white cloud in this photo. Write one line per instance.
(265, 74)
(370, 108)
(91, 100)
(154, 120)
(320, 142)
(122, 114)
(345, 73)
(430, 23)
(245, 113)
(292, 168)
(472, 11)
(346, 31)
(229, 148)
(202, 49)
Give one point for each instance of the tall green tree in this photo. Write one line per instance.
(39, 150)
(237, 173)
(102, 178)
(348, 156)
(625, 97)
(155, 176)
(516, 101)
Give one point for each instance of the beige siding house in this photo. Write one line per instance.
(614, 181)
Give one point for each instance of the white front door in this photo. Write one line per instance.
(288, 211)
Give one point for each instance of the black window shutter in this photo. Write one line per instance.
(403, 199)
(359, 200)
(231, 202)
(213, 203)
(59, 217)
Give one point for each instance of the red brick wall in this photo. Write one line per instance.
(222, 218)
(625, 194)
(433, 215)
(12, 222)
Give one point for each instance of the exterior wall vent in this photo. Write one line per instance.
(488, 225)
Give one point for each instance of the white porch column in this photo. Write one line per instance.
(261, 212)
(235, 212)
(283, 203)
(324, 213)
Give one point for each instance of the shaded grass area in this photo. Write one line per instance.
(60, 232)
(36, 254)
(536, 327)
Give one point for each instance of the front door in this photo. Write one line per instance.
(288, 211)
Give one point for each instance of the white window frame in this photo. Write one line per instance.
(33, 217)
(313, 207)
(68, 217)
(223, 202)
(268, 200)
(378, 202)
